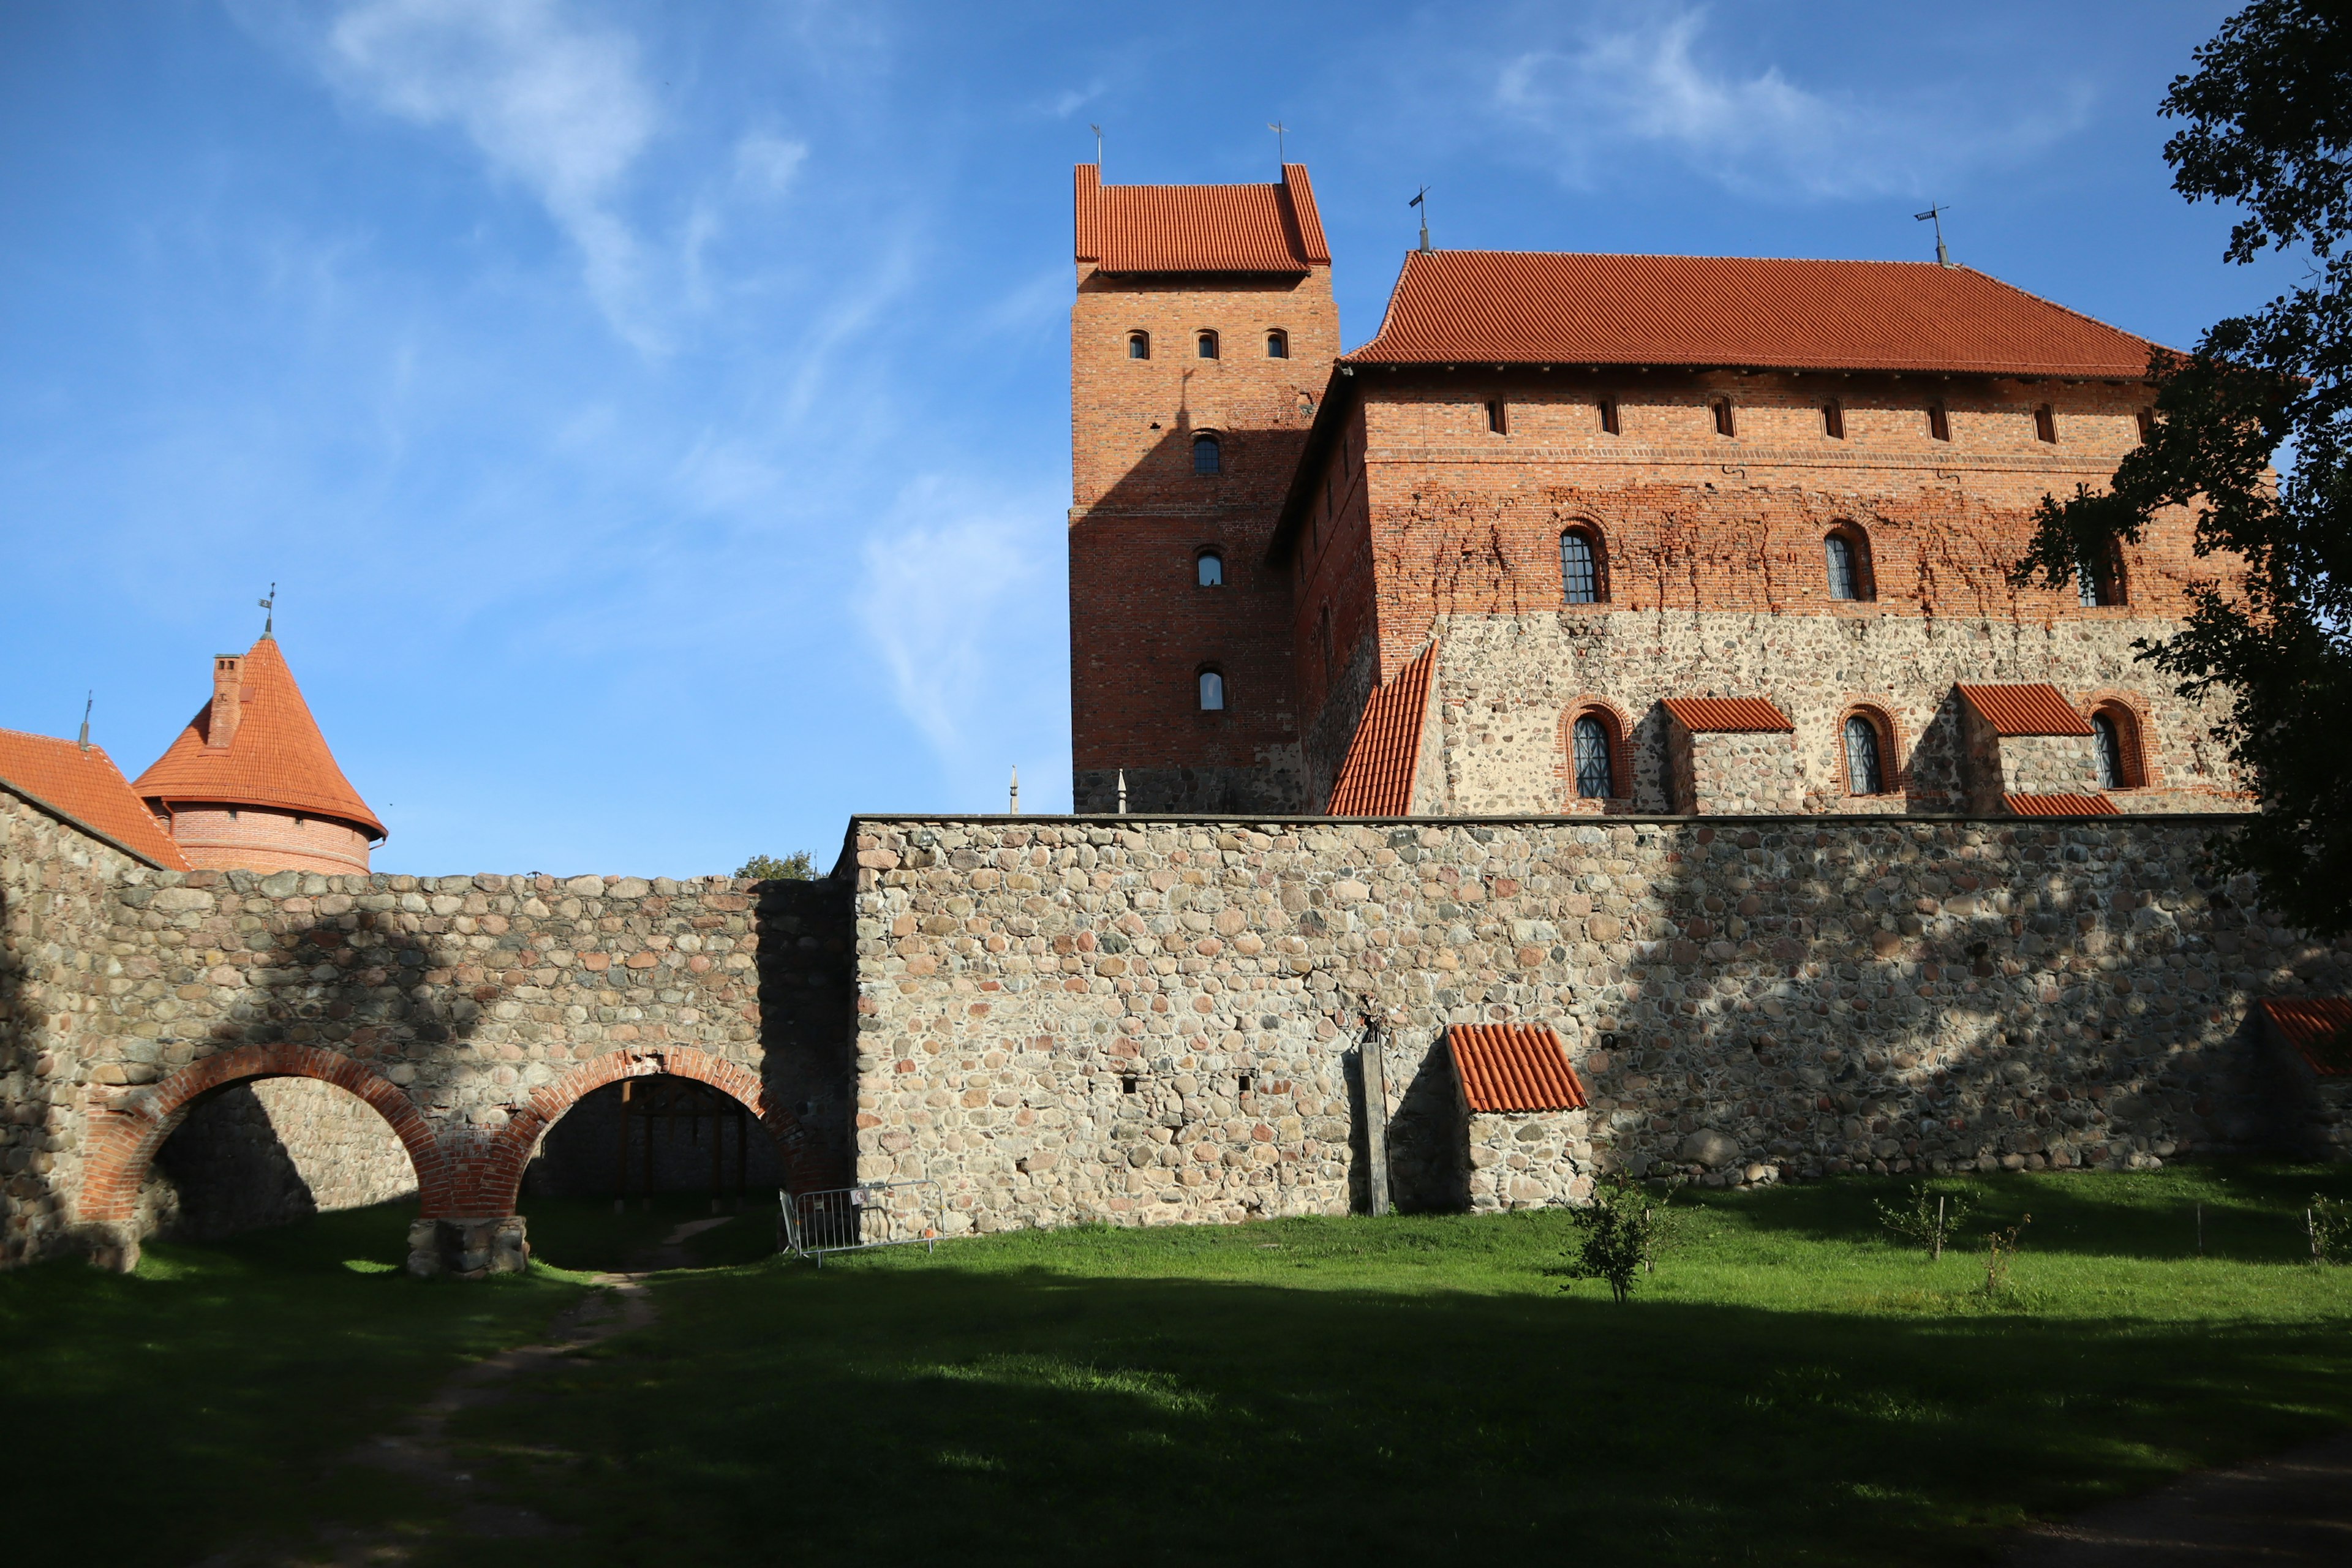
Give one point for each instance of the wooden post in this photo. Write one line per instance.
(1376, 1120)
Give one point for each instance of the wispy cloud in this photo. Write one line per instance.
(1751, 129)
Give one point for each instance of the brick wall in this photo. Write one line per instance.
(253, 838)
(1066, 1020)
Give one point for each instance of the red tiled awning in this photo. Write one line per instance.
(2059, 805)
(2035, 710)
(1728, 715)
(2318, 1028)
(1383, 758)
(1514, 1067)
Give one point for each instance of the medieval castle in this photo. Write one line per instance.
(1591, 726)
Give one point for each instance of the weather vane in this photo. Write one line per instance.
(1935, 215)
(1280, 152)
(1420, 200)
(270, 610)
(1098, 131)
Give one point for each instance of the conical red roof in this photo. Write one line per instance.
(277, 757)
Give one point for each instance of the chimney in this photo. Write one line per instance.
(228, 698)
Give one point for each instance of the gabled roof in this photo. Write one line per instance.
(2037, 708)
(82, 785)
(1514, 1067)
(1728, 715)
(1543, 308)
(276, 758)
(1200, 228)
(2059, 805)
(1384, 757)
(2318, 1029)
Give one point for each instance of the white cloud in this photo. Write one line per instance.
(1751, 130)
(766, 162)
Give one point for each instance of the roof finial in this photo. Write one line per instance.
(1281, 153)
(1935, 215)
(270, 608)
(1420, 200)
(87, 703)
(1122, 792)
(1016, 790)
(1098, 131)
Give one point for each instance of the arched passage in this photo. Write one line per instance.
(491, 1184)
(124, 1138)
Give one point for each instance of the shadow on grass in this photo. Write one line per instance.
(907, 1412)
(586, 1234)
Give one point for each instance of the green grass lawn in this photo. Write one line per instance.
(1786, 1387)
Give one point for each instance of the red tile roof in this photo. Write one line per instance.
(276, 758)
(1514, 1067)
(2059, 805)
(1543, 308)
(1200, 228)
(2319, 1028)
(1384, 757)
(1728, 715)
(2035, 710)
(83, 786)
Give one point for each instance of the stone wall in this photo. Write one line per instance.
(1735, 772)
(1068, 1020)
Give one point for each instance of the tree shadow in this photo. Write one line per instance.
(807, 1013)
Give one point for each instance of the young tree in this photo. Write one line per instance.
(799, 866)
(2269, 112)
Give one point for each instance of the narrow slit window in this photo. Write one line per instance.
(1211, 570)
(1213, 692)
(1834, 421)
(1843, 580)
(2108, 736)
(1939, 422)
(1208, 456)
(1139, 345)
(1580, 568)
(1722, 417)
(1277, 344)
(1864, 772)
(2045, 424)
(1208, 345)
(1608, 417)
(2147, 425)
(1595, 776)
(1498, 416)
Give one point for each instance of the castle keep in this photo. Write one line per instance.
(1598, 704)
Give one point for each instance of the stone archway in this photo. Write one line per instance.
(125, 1136)
(491, 1183)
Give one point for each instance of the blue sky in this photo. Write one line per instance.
(655, 417)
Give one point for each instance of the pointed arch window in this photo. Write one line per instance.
(1846, 555)
(1580, 576)
(1596, 773)
(1865, 762)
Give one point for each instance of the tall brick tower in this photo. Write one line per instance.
(1203, 337)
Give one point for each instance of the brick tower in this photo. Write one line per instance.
(250, 784)
(1200, 342)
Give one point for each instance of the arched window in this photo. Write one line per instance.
(1866, 767)
(1846, 554)
(1139, 345)
(1722, 417)
(1212, 569)
(1208, 457)
(1939, 422)
(2115, 735)
(2045, 424)
(1277, 344)
(1208, 344)
(2096, 584)
(1213, 692)
(1596, 772)
(1581, 580)
(1833, 420)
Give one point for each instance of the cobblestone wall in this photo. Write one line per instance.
(1069, 1020)
(1735, 773)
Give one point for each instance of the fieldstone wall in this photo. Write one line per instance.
(1737, 773)
(1505, 681)
(2045, 764)
(1526, 1159)
(1068, 1020)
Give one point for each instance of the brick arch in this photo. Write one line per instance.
(492, 1181)
(1894, 761)
(1620, 730)
(2131, 708)
(125, 1137)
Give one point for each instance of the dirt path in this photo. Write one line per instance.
(2291, 1509)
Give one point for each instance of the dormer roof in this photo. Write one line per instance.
(1200, 228)
(275, 757)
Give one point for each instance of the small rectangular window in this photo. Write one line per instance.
(2147, 425)
(2045, 424)
(1608, 417)
(1834, 421)
(1498, 418)
(1722, 417)
(1939, 424)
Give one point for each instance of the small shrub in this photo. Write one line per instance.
(1932, 1219)
(2329, 1221)
(1624, 1229)
(799, 866)
(2000, 1251)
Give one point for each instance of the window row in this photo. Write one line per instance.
(1833, 413)
(1845, 569)
(1206, 344)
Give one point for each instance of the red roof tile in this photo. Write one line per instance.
(2035, 710)
(1384, 757)
(1514, 1067)
(1200, 228)
(2059, 805)
(1542, 308)
(2319, 1028)
(1728, 715)
(82, 784)
(276, 758)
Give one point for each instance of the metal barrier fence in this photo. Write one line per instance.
(852, 1219)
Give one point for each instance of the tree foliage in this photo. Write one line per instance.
(2269, 127)
(1621, 1232)
(799, 866)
